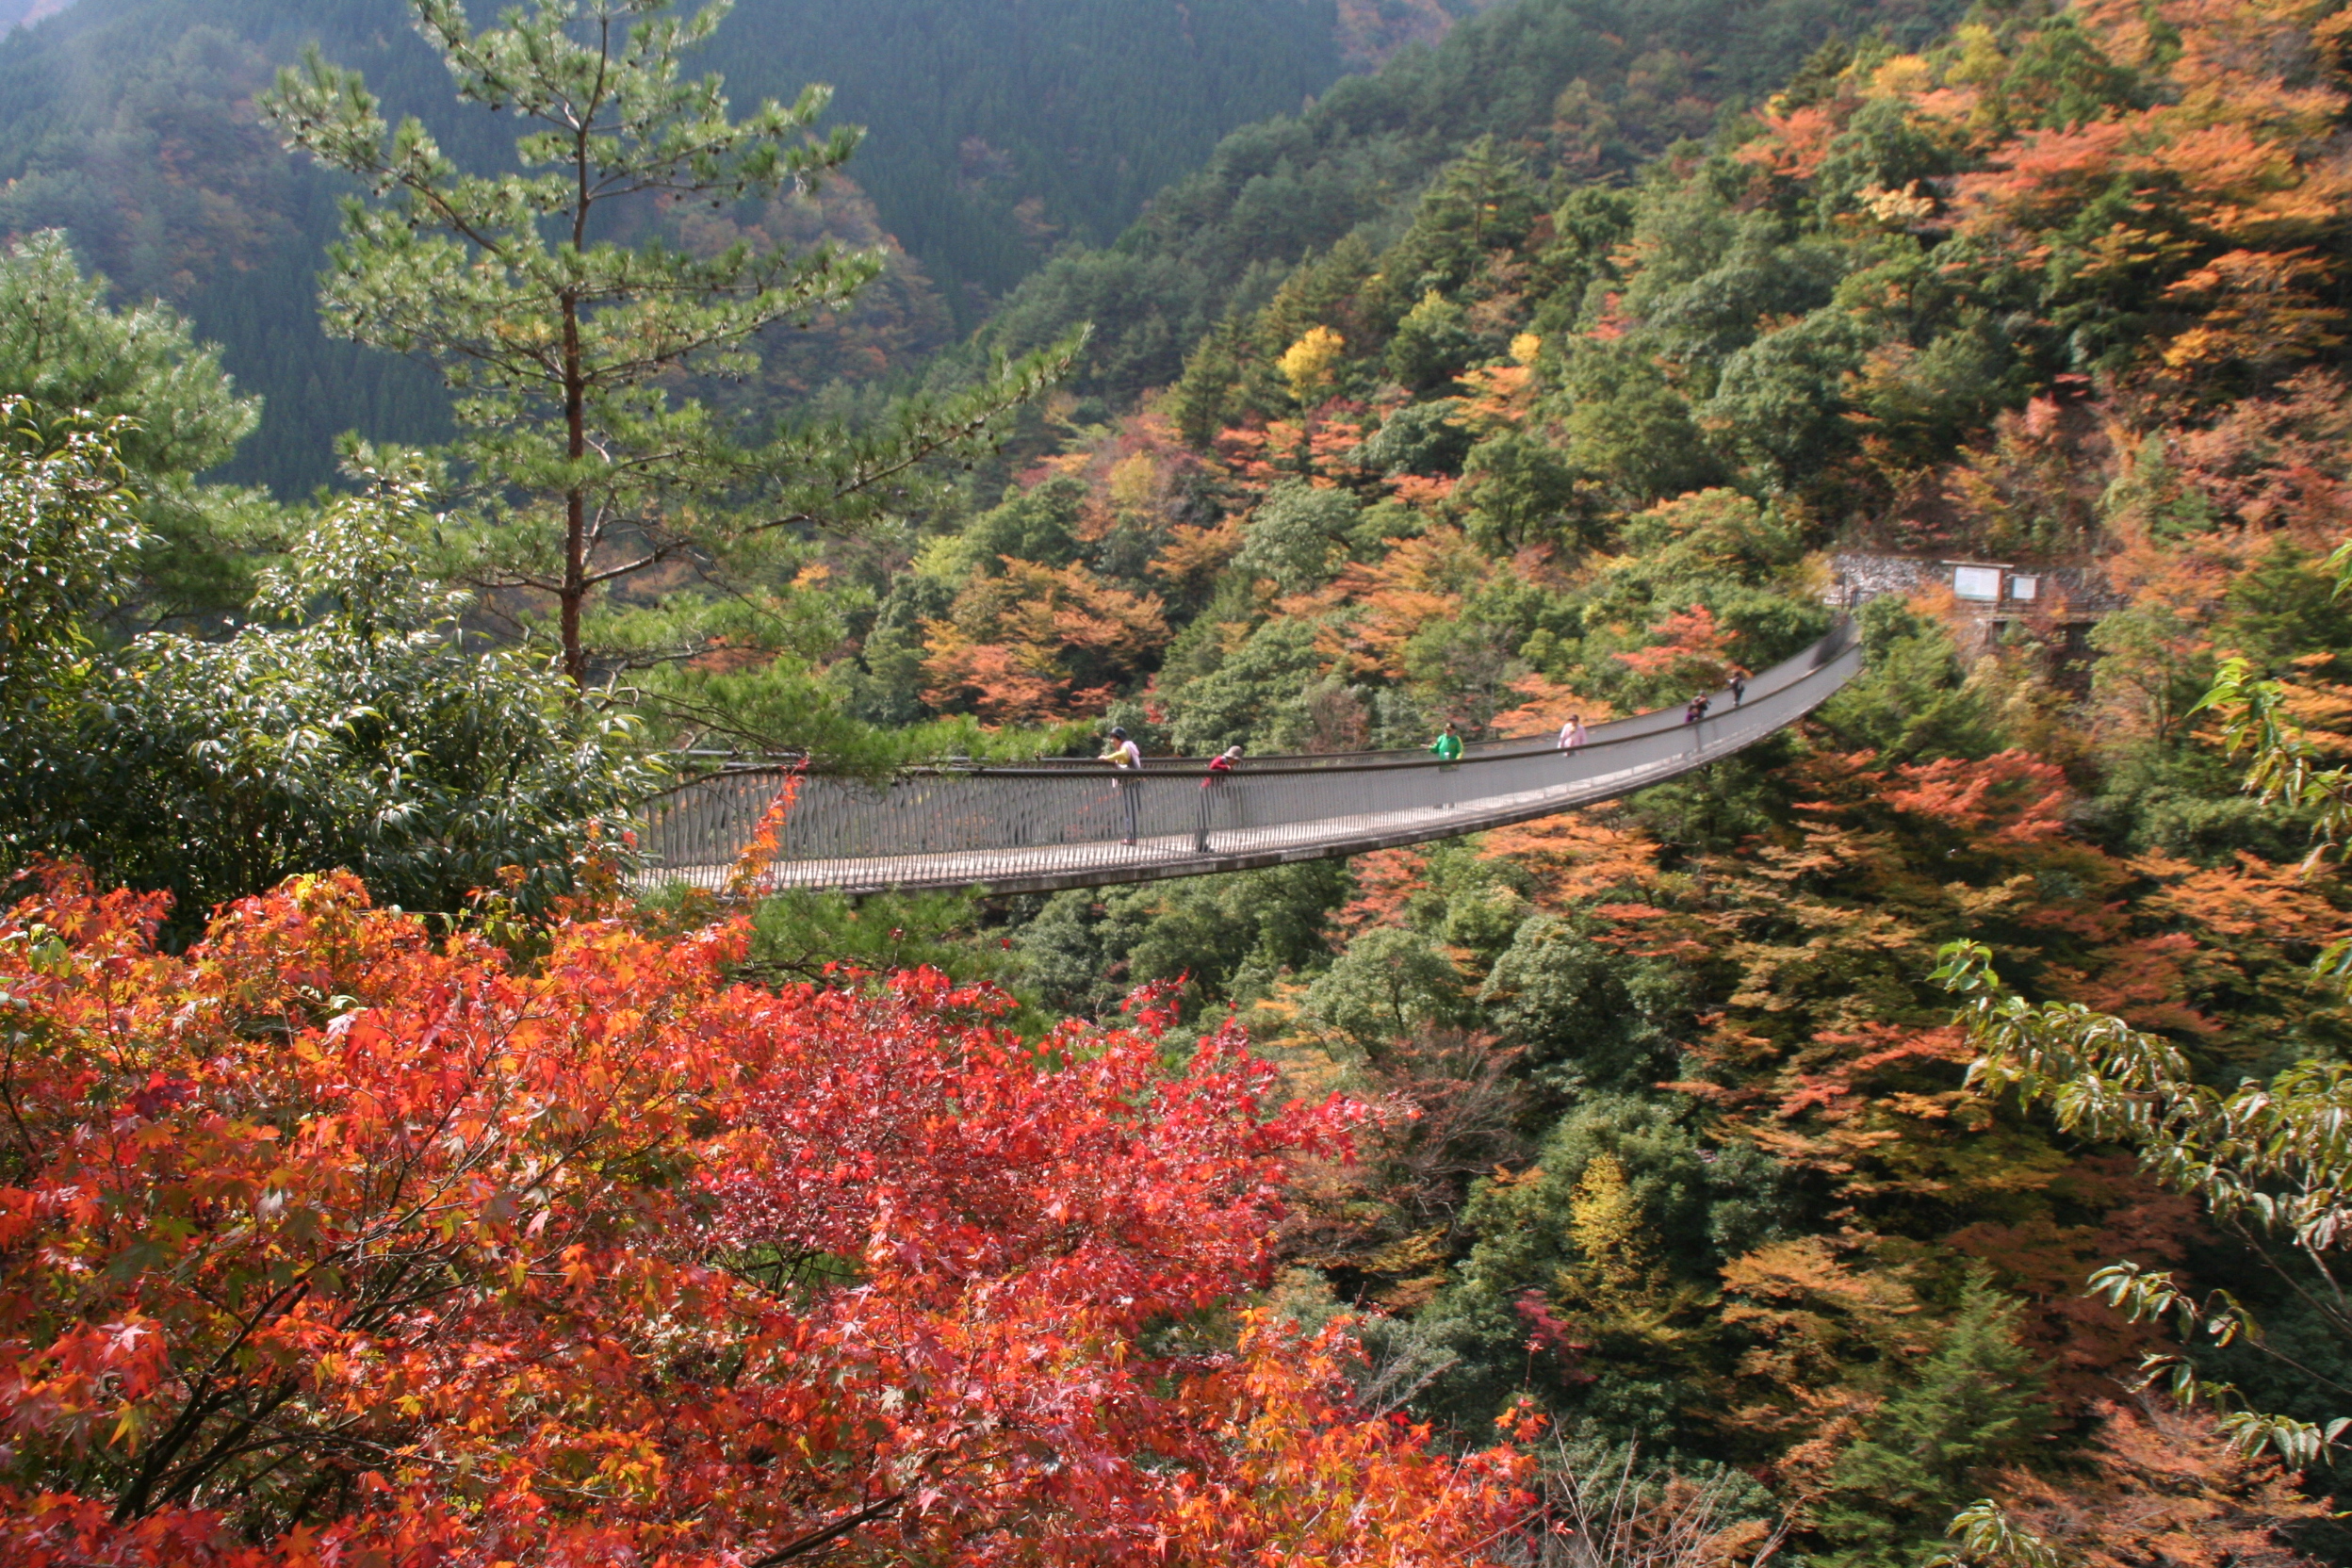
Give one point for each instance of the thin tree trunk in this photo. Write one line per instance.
(575, 504)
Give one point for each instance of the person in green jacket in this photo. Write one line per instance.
(1448, 749)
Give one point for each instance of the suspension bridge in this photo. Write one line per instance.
(1058, 824)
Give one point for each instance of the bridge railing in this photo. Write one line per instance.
(1031, 824)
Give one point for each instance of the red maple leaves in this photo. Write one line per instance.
(332, 1241)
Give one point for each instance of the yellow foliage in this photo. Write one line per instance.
(1306, 365)
(1609, 1229)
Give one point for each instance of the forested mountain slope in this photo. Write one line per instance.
(1000, 129)
(1696, 1167)
(1586, 87)
(1534, 378)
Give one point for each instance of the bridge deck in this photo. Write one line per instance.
(1046, 827)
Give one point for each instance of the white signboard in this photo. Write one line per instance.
(2025, 589)
(1976, 582)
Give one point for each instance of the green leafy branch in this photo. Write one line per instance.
(1984, 1537)
(2268, 1160)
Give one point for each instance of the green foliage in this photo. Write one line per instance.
(1233, 935)
(820, 938)
(69, 542)
(1629, 430)
(1970, 1405)
(997, 136)
(2266, 1160)
(1039, 524)
(1587, 1018)
(1777, 398)
(1364, 155)
(587, 470)
(1039, 124)
(1389, 985)
(1985, 1537)
(1522, 492)
(1298, 535)
(1419, 438)
(1626, 1208)
(68, 355)
(1432, 344)
(345, 725)
(69, 533)
(1913, 699)
(1255, 695)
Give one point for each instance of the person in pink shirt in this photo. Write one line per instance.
(1573, 734)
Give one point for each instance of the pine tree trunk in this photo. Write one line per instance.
(575, 504)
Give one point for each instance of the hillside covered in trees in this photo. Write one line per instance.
(1915, 1139)
(1001, 130)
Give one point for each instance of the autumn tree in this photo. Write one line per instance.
(1970, 1405)
(2266, 1160)
(590, 464)
(332, 1237)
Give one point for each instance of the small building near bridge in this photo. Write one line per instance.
(1990, 601)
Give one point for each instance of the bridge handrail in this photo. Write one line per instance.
(1067, 827)
(1778, 678)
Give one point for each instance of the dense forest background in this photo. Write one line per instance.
(1000, 132)
(1550, 365)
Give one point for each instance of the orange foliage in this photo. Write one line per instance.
(1550, 704)
(1693, 649)
(2231, 168)
(1576, 856)
(2084, 1344)
(2012, 799)
(1038, 642)
(767, 838)
(1809, 1311)
(2164, 1487)
(1195, 555)
(1424, 490)
(1372, 609)
(1794, 143)
(334, 1241)
(1371, 30)
(1309, 1482)
(1314, 446)
(2258, 305)
(1385, 881)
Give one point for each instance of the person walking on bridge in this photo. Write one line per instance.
(1213, 786)
(1691, 715)
(1573, 734)
(1448, 747)
(1127, 757)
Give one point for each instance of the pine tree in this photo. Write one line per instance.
(1971, 1404)
(67, 354)
(588, 468)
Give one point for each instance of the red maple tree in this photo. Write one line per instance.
(334, 1240)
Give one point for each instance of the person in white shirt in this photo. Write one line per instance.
(1125, 755)
(1573, 734)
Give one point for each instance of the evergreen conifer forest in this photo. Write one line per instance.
(1918, 1140)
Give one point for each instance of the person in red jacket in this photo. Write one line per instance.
(1220, 766)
